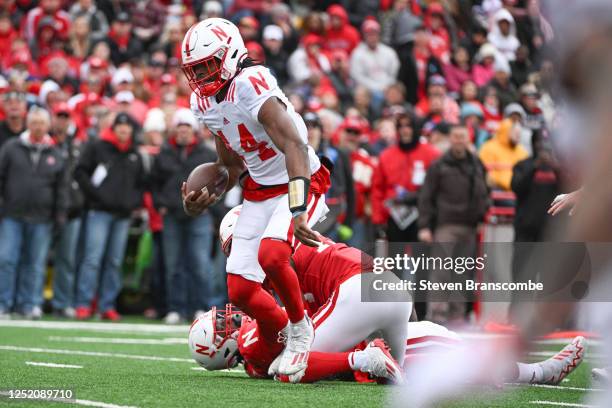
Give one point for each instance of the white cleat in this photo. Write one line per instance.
(602, 376)
(294, 357)
(380, 363)
(559, 366)
(282, 338)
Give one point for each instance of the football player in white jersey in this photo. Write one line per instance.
(256, 127)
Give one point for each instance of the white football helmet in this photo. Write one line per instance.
(226, 229)
(211, 52)
(213, 338)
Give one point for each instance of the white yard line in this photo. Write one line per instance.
(168, 341)
(83, 402)
(561, 404)
(53, 365)
(95, 354)
(94, 326)
(555, 387)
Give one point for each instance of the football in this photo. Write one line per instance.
(210, 175)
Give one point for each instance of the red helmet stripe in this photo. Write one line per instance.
(218, 31)
(187, 49)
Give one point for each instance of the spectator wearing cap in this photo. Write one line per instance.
(340, 34)
(440, 40)
(14, 106)
(280, 15)
(473, 118)
(529, 100)
(340, 78)
(148, 17)
(439, 137)
(59, 72)
(123, 45)
(453, 200)
(211, 8)
(341, 196)
(96, 20)
(187, 241)
(64, 134)
(49, 94)
(308, 65)
(397, 179)
(249, 28)
(421, 65)
(374, 64)
(501, 153)
(112, 177)
(352, 138)
(517, 114)
(123, 85)
(503, 34)
(483, 70)
(506, 91)
(446, 106)
(59, 19)
(275, 56)
(33, 195)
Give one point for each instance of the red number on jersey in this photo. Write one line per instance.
(249, 144)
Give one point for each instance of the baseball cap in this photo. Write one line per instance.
(96, 62)
(122, 17)
(123, 119)
(249, 21)
(124, 97)
(184, 116)
(61, 107)
(352, 123)
(437, 80)
(167, 79)
(122, 75)
(273, 32)
(514, 108)
(529, 90)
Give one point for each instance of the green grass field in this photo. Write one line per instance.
(149, 366)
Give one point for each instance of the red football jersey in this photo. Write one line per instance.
(322, 269)
(257, 348)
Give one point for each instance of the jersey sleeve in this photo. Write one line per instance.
(195, 108)
(254, 86)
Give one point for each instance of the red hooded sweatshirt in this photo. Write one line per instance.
(346, 37)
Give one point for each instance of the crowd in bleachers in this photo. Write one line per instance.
(423, 106)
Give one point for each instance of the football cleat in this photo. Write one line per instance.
(294, 357)
(282, 338)
(602, 376)
(380, 363)
(559, 366)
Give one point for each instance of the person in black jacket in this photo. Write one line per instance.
(187, 242)
(112, 177)
(33, 194)
(15, 108)
(63, 132)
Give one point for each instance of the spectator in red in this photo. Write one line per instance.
(340, 34)
(437, 89)
(362, 164)
(249, 28)
(7, 33)
(47, 8)
(426, 63)
(491, 109)
(255, 51)
(148, 18)
(46, 40)
(123, 45)
(439, 41)
(94, 76)
(308, 64)
(458, 70)
(397, 180)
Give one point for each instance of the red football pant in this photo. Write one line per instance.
(274, 260)
(257, 303)
(323, 365)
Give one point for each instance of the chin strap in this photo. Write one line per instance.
(298, 195)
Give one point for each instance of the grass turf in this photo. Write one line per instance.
(154, 383)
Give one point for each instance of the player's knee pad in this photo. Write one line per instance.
(273, 254)
(240, 290)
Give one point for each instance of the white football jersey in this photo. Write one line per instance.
(234, 120)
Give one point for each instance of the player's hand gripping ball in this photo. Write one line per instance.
(205, 184)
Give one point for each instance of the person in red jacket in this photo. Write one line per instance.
(397, 180)
(340, 34)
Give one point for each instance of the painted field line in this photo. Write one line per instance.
(555, 387)
(83, 402)
(168, 341)
(39, 364)
(231, 370)
(95, 354)
(561, 404)
(112, 327)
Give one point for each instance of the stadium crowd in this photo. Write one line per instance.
(424, 107)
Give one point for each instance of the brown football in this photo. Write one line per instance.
(210, 175)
